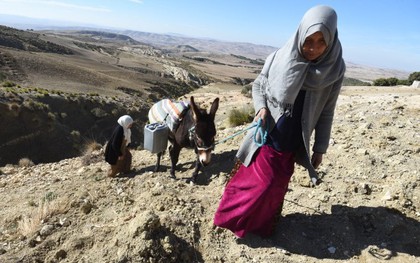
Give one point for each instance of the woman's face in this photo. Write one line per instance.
(314, 46)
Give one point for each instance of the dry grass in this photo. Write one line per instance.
(25, 162)
(89, 148)
(45, 210)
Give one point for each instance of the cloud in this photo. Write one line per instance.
(137, 1)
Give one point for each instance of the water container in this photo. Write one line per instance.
(156, 137)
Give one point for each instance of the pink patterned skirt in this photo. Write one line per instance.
(254, 194)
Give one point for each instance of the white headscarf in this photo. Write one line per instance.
(290, 71)
(125, 121)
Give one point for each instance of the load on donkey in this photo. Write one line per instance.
(185, 125)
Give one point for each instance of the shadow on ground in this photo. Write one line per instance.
(345, 233)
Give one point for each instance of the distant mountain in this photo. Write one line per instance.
(249, 50)
(158, 40)
(179, 43)
(205, 45)
(109, 36)
(368, 73)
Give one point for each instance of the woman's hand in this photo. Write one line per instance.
(262, 114)
(316, 159)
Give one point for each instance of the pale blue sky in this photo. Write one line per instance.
(381, 33)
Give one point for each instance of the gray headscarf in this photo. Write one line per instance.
(287, 71)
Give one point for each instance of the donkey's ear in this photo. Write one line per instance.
(195, 110)
(214, 107)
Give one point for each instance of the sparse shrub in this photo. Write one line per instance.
(43, 92)
(25, 162)
(29, 104)
(9, 84)
(32, 203)
(36, 105)
(92, 146)
(89, 148)
(45, 210)
(2, 76)
(11, 90)
(50, 196)
(59, 93)
(75, 133)
(240, 117)
(14, 107)
(246, 90)
(25, 90)
(51, 116)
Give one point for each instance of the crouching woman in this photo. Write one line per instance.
(117, 153)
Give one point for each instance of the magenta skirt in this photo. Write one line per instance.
(253, 196)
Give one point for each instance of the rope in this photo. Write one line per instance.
(262, 132)
(259, 129)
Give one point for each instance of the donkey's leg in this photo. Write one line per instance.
(159, 155)
(197, 168)
(174, 154)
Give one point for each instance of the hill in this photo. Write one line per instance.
(73, 84)
(365, 210)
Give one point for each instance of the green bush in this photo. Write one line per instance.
(8, 84)
(354, 82)
(2, 76)
(247, 90)
(394, 81)
(414, 76)
(240, 117)
(405, 82)
(386, 82)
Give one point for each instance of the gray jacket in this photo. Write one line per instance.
(317, 115)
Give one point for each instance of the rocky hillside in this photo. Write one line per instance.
(48, 126)
(365, 210)
(56, 102)
(91, 62)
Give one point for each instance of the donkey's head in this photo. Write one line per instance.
(205, 130)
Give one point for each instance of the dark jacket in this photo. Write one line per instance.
(113, 147)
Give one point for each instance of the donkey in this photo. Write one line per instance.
(196, 129)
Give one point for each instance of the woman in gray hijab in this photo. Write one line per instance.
(294, 95)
